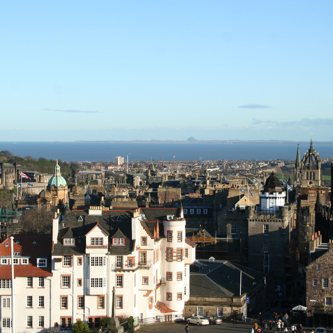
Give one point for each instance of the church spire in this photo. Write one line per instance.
(298, 158)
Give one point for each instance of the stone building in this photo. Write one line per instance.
(8, 177)
(265, 235)
(319, 288)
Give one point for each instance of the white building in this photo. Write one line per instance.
(119, 160)
(130, 263)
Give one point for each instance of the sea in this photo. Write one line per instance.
(196, 151)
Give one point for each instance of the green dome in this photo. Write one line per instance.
(57, 179)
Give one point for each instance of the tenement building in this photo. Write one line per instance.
(99, 263)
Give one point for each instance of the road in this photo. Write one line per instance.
(226, 327)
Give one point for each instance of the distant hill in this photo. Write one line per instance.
(191, 139)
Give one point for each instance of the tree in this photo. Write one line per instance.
(37, 221)
(80, 327)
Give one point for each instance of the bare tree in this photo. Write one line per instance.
(37, 221)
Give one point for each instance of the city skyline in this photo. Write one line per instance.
(147, 70)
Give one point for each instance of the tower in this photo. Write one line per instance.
(311, 168)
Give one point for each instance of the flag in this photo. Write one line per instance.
(289, 188)
(23, 175)
(19, 185)
(242, 190)
(30, 184)
(251, 193)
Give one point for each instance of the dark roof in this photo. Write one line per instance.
(225, 276)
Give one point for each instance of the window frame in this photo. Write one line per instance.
(65, 281)
(41, 301)
(63, 302)
(119, 298)
(29, 301)
(30, 282)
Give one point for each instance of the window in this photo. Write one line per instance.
(143, 241)
(15, 261)
(266, 229)
(169, 296)
(179, 296)
(66, 322)
(97, 282)
(63, 302)
(98, 261)
(6, 323)
(119, 302)
(6, 302)
(179, 254)
(169, 236)
(200, 311)
(191, 211)
(233, 229)
(145, 280)
(24, 261)
(169, 276)
(119, 263)
(220, 312)
(325, 283)
(41, 282)
(315, 283)
(143, 258)
(96, 241)
(328, 301)
(5, 261)
(65, 281)
(179, 236)
(41, 321)
(67, 261)
(169, 254)
(29, 282)
(184, 290)
(198, 211)
(79, 261)
(5, 283)
(29, 301)
(119, 281)
(186, 253)
(69, 241)
(79, 282)
(179, 276)
(118, 241)
(29, 321)
(81, 302)
(185, 211)
(130, 262)
(318, 267)
(41, 262)
(205, 211)
(100, 302)
(41, 302)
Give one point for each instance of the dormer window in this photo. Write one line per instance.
(96, 241)
(69, 241)
(41, 262)
(118, 241)
(5, 261)
(24, 261)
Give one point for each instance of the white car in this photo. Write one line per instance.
(198, 320)
(320, 330)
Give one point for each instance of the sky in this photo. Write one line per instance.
(166, 70)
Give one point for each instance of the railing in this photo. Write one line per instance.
(140, 265)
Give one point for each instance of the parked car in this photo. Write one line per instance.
(215, 320)
(198, 320)
(320, 330)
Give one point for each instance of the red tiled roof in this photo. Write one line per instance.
(41, 248)
(163, 308)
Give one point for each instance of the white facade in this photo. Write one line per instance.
(101, 271)
(271, 202)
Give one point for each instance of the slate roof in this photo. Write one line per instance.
(79, 223)
(221, 279)
(31, 246)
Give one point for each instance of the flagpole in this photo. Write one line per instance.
(21, 185)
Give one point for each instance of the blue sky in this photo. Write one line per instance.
(126, 70)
